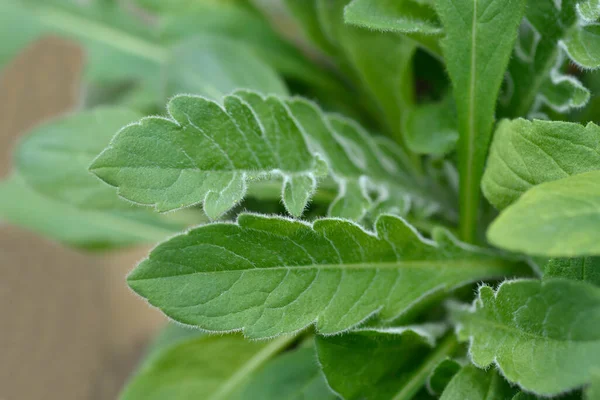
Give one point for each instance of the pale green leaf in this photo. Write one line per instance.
(431, 128)
(479, 40)
(405, 16)
(214, 66)
(208, 154)
(471, 383)
(543, 336)
(442, 374)
(589, 10)
(89, 229)
(535, 74)
(269, 275)
(527, 153)
(593, 390)
(554, 219)
(377, 363)
(583, 46)
(582, 269)
(207, 367)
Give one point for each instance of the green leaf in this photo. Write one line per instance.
(583, 46)
(527, 153)
(208, 154)
(208, 367)
(269, 275)
(543, 336)
(554, 219)
(475, 384)
(431, 128)
(377, 363)
(442, 374)
(405, 16)
(214, 66)
(479, 39)
(535, 73)
(589, 10)
(593, 390)
(89, 229)
(582, 269)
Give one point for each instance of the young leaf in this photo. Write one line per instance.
(543, 336)
(441, 375)
(582, 269)
(268, 275)
(208, 154)
(207, 367)
(527, 153)
(555, 219)
(479, 39)
(583, 46)
(535, 76)
(377, 363)
(471, 383)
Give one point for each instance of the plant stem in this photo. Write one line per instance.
(417, 380)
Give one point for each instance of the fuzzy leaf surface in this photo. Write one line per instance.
(581, 269)
(542, 335)
(206, 153)
(479, 40)
(375, 363)
(555, 219)
(527, 153)
(471, 383)
(268, 275)
(583, 46)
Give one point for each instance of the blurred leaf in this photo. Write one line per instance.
(441, 375)
(431, 128)
(471, 383)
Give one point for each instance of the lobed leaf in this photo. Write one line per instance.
(527, 153)
(206, 153)
(268, 276)
(555, 219)
(376, 363)
(471, 383)
(543, 336)
(479, 39)
(583, 46)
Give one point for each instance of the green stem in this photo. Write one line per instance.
(418, 379)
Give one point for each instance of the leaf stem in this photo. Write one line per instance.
(417, 380)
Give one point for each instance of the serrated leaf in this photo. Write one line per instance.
(582, 269)
(479, 39)
(208, 154)
(554, 219)
(268, 275)
(377, 363)
(471, 383)
(214, 66)
(583, 46)
(527, 153)
(536, 76)
(207, 367)
(543, 336)
(441, 375)
(431, 128)
(405, 16)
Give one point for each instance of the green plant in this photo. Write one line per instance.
(343, 187)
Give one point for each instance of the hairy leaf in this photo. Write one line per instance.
(431, 128)
(377, 363)
(535, 73)
(583, 46)
(555, 219)
(582, 269)
(589, 10)
(268, 275)
(441, 375)
(479, 39)
(208, 154)
(207, 367)
(543, 336)
(527, 153)
(471, 383)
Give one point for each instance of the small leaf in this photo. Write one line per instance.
(209, 154)
(214, 66)
(471, 383)
(554, 219)
(479, 40)
(543, 336)
(581, 269)
(442, 374)
(583, 46)
(589, 10)
(405, 16)
(431, 128)
(375, 363)
(207, 367)
(269, 275)
(527, 153)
